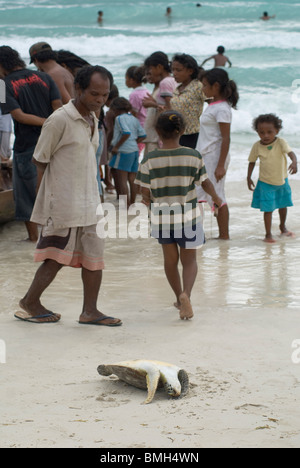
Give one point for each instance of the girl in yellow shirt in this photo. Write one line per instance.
(273, 190)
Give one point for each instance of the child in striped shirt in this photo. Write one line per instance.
(167, 177)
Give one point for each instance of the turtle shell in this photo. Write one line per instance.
(135, 377)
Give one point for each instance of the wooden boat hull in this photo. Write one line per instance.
(7, 206)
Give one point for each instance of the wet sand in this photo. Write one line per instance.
(237, 350)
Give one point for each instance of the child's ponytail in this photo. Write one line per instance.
(232, 92)
(228, 88)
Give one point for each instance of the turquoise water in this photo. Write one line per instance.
(265, 55)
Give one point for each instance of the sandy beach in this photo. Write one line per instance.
(237, 350)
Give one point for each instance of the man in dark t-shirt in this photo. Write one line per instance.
(31, 96)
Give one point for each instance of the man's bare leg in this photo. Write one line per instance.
(43, 278)
(32, 230)
(91, 286)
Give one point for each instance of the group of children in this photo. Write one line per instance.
(170, 173)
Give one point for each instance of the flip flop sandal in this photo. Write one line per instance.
(98, 321)
(26, 317)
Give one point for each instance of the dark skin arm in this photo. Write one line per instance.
(293, 168)
(146, 196)
(31, 119)
(251, 185)
(40, 172)
(122, 140)
(225, 132)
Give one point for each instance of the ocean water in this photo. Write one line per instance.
(265, 55)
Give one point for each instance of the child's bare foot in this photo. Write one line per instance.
(287, 233)
(269, 240)
(186, 310)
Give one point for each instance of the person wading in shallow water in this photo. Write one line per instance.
(67, 200)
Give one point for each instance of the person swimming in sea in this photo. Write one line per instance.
(220, 59)
(100, 17)
(266, 17)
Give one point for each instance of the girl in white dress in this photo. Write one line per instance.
(214, 138)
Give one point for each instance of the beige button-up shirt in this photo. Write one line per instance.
(68, 193)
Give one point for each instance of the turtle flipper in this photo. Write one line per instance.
(184, 382)
(152, 378)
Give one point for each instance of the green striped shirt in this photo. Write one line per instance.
(171, 176)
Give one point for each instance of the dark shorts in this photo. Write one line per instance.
(24, 184)
(189, 140)
(186, 238)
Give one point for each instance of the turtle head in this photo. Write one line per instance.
(103, 370)
(179, 387)
(174, 390)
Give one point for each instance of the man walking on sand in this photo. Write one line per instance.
(68, 198)
(44, 58)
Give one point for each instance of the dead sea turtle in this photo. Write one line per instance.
(150, 375)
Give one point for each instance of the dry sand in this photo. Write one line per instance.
(245, 389)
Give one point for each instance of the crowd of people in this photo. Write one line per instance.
(76, 139)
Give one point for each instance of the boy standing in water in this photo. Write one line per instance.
(67, 200)
(219, 58)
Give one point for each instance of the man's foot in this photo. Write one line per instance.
(36, 314)
(37, 310)
(99, 319)
(186, 310)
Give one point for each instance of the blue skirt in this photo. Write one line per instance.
(268, 197)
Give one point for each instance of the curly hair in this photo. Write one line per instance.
(267, 118)
(10, 59)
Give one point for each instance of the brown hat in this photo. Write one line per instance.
(38, 47)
